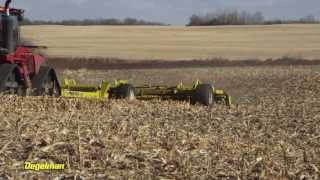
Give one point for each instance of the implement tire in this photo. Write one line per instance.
(204, 94)
(125, 91)
(46, 83)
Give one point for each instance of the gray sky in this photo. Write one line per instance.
(167, 11)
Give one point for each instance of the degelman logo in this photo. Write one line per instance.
(42, 166)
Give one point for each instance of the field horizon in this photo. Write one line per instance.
(178, 42)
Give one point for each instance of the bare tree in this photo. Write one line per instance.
(309, 19)
(227, 17)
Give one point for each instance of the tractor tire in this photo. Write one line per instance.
(125, 91)
(46, 83)
(10, 79)
(204, 94)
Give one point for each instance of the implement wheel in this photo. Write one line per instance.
(10, 80)
(204, 94)
(46, 83)
(125, 91)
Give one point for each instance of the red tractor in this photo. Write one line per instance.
(21, 70)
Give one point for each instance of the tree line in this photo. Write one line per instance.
(90, 22)
(234, 17)
(222, 17)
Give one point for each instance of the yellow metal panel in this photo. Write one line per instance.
(219, 92)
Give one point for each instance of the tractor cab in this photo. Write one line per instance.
(9, 29)
(20, 68)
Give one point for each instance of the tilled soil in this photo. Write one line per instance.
(123, 64)
(272, 131)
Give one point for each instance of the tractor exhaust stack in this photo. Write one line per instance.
(7, 7)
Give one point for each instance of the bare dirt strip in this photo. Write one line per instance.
(110, 63)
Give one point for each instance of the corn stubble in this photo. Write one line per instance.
(276, 135)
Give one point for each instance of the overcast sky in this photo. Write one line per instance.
(167, 11)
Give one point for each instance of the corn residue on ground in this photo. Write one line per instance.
(270, 133)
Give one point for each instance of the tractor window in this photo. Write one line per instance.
(16, 32)
(1, 31)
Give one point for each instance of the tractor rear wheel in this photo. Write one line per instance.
(46, 83)
(10, 80)
(204, 94)
(125, 91)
